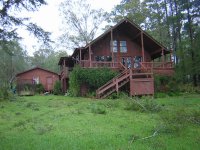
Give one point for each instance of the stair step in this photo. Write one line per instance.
(107, 94)
(110, 86)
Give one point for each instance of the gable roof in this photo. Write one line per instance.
(35, 68)
(134, 31)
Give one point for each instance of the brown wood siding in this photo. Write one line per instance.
(102, 47)
(43, 77)
(142, 86)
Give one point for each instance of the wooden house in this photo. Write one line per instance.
(37, 75)
(127, 48)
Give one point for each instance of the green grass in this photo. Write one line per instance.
(58, 122)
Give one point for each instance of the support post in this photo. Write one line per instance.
(142, 43)
(171, 55)
(111, 45)
(80, 54)
(117, 86)
(163, 57)
(90, 57)
(82, 65)
(171, 58)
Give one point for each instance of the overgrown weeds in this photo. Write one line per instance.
(97, 108)
(175, 121)
(5, 94)
(145, 104)
(43, 128)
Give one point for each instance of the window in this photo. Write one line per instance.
(36, 80)
(123, 47)
(114, 46)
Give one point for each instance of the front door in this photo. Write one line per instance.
(131, 62)
(49, 83)
(126, 61)
(137, 60)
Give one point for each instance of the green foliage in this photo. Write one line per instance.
(13, 59)
(98, 108)
(5, 94)
(12, 22)
(94, 78)
(47, 58)
(145, 104)
(60, 119)
(165, 83)
(177, 120)
(74, 81)
(189, 88)
(39, 88)
(57, 88)
(119, 95)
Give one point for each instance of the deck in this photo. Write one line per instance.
(162, 68)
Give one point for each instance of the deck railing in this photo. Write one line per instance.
(160, 65)
(98, 64)
(109, 64)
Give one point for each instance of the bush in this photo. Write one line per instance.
(57, 88)
(98, 109)
(132, 105)
(39, 88)
(144, 104)
(165, 84)
(5, 94)
(189, 88)
(176, 120)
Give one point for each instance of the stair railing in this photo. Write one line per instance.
(112, 81)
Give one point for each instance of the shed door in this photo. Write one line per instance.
(49, 84)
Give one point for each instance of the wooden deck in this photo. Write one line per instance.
(141, 80)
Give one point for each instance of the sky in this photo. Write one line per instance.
(48, 17)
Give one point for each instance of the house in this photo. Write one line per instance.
(127, 48)
(37, 75)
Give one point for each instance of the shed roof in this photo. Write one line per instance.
(35, 68)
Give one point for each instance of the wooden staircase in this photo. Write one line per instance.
(114, 84)
(141, 75)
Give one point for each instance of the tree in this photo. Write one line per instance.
(47, 59)
(10, 22)
(80, 22)
(174, 23)
(132, 9)
(13, 59)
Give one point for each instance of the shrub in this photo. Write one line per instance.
(39, 88)
(132, 105)
(57, 88)
(144, 104)
(189, 88)
(98, 109)
(151, 105)
(5, 94)
(174, 121)
(165, 84)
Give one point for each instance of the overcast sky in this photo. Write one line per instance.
(48, 18)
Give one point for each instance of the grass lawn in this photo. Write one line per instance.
(58, 122)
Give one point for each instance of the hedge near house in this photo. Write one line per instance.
(94, 78)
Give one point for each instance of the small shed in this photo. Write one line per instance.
(37, 75)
